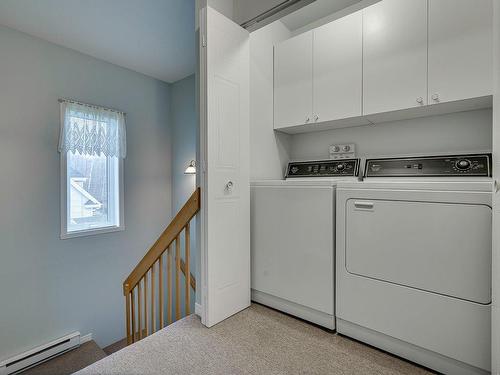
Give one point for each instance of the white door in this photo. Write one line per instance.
(293, 81)
(224, 154)
(337, 72)
(495, 321)
(394, 55)
(460, 49)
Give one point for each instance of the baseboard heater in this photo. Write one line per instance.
(39, 354)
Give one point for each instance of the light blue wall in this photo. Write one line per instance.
(184, 133)
(50, 287)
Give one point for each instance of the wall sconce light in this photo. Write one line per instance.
(191, 169)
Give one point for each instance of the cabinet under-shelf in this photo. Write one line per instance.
(404, 114)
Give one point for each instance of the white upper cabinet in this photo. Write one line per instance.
(337, 69)
(460, 49)
(390, 61)
(395, 55)
(293, 81)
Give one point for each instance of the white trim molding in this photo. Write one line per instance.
(198, 309)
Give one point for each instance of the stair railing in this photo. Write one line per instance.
(141, 321)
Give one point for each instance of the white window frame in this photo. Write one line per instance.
(65, 206)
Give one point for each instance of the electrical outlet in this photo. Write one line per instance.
(343, 151)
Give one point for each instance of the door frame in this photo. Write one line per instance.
(495, 312)
(202, 157)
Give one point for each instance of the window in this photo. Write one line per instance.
(92, 146)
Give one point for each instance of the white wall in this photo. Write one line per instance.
(452, 133)
(241, 11)
(322, 15)
(245, 10)
(50, 287)
(268, 150)
(225, 7)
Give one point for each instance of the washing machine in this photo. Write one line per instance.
(413, 260)
(293, 236)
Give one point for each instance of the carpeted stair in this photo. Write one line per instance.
(69, 362)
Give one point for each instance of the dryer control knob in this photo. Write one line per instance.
(463, 164)
(340, 167)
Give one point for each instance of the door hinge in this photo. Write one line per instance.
(203, 40)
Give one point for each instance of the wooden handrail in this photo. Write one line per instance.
(143, 321)
(168, 236)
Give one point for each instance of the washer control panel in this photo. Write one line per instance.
(323, 168)
(430, 166)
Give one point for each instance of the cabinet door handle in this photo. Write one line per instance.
(307, 119)
(316, 117)
(435, 97)
(363, 205)
(420, 100)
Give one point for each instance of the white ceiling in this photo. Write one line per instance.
(153, 37)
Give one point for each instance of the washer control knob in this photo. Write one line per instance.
(346, 148)
(336, 148)
(463, 164)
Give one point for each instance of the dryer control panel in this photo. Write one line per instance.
(430, 166)
(323, 168)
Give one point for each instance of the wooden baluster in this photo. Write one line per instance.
(139, 307)
(139, 277)
(127, 308)
(146, 320)
(133, 314)
(169, 286)
(187, 272)
(153, 313)
(177, 278)
(160, 290)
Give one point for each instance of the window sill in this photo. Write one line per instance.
(91, 232)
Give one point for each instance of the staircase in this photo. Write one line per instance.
(70, 362)
(145, 298)
(144, 289)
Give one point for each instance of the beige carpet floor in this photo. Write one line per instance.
(258, 340)
(69, 362)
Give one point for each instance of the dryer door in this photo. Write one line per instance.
(438, 247)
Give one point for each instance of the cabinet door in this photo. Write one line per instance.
(460, 49)
(394, 55)
(293, 81)
(337, 69)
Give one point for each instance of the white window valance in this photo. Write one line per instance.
(91, 130)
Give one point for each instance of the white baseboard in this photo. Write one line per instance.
(197, 309)
(85, 338)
